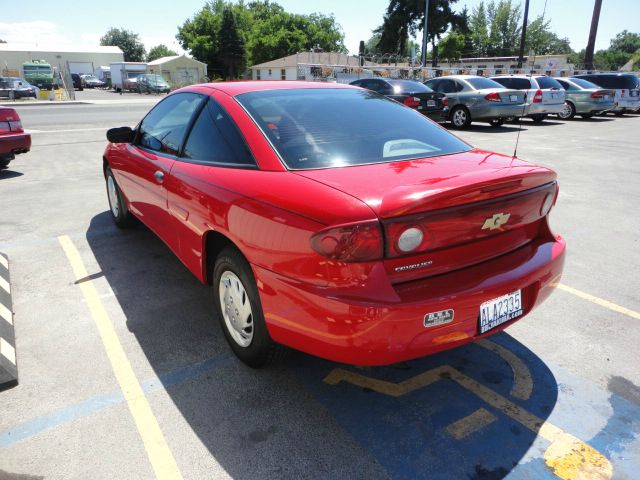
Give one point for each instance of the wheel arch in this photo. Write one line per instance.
(212, 244)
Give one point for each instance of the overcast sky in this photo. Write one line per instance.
(67, 23)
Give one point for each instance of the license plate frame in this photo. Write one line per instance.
(431, 103)
(513, 98)
(497, 311)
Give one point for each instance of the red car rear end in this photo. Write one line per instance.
(13, 139)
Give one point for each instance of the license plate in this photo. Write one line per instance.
(431, 103)
(513, 98)
(500, 310)
(634, 93)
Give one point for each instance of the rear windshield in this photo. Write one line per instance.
(408, 86)
(324, 128)
(548, 82)
(481, 82)
(518, 83)
(614, 81)
(584, 83)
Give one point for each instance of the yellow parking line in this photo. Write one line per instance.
(599, 301)
(522, 381)
(160, 456)
(471, 423)
(568, 457)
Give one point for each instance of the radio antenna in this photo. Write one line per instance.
(524, 106)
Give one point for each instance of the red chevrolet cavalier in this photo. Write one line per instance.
(333, 220)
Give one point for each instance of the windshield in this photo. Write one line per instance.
(584, 83)
(480, 83)
(36, 69)
(322, 128)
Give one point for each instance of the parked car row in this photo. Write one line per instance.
(469, 98)
(16, 87)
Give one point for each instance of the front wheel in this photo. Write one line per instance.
(568, 111)
(587, 115)
(460, 117)
(496, 122)
(538, 118)
(120, 213)
(240, 312)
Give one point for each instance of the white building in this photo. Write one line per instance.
(75, 59)
(179, 69)
(286, 68)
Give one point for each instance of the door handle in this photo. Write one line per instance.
(159, 176)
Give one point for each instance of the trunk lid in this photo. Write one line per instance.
(471, 207)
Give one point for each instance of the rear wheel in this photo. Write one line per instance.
(587, 115)
(460, 117)
(239, 310)
(4, 162)
(120, 213)
(620, 113)
(496, 122)
(568, 111)
(538, 118)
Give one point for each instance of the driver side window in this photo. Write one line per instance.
(164, 128)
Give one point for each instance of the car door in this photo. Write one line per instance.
(144, 171)
(214, 158)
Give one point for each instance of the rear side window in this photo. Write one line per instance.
(618, 82)
(214, 138)
(521, 83)
(409, 86)
(339, 127)
(164, 127)
(548, 82)
(584, 83)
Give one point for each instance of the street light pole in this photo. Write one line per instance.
(424, 38)
(524, 33)
(595, 19)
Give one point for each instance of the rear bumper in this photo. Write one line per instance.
(381, 332)
(542, 109)
(592, 106)
(488, 112)
(14, 143)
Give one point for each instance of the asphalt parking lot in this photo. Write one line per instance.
(124, 372)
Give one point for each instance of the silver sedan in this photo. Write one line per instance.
(473, 98)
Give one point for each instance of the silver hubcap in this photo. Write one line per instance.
(566, 111)
(459, 118)
(236, 309)
(114, 202)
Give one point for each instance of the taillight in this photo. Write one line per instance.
(412, 101)
(597, 95)
(549, 201)
(537, 98)
(445, 101)
(360, 242)
(493, 97)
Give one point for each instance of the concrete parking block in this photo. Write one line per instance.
(8, 365)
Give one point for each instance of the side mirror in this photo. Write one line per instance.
(120, 135)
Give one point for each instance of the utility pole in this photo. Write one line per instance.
(524, 33)
(591, 45)
(424, 38)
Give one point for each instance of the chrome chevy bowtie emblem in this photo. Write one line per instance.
(497, 221)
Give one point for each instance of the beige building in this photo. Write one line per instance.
(77, 60)
(286, 68)
(180, 70)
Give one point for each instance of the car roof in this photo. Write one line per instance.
(520, 75)
(245, 86)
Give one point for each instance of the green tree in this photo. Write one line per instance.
(626, 42)
(268, 31)
(232, 49)
(160, 51)
(406, 17)
(479, 31)
(451, 46)
(504, 31)
(128, 42)
(543, 41)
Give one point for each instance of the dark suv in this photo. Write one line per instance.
(626, 86)
(77, 82)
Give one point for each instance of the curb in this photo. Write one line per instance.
(8, 366)
(38, 103)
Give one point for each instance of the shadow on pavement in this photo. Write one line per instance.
(288, 421)
(6, 174)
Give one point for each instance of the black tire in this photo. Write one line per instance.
(120, 215)
(261, 350)
(496, 122)
(4, 163)
(587, 115)
(460, 117)
(538, 118)
(620, 113)
(569, 113)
